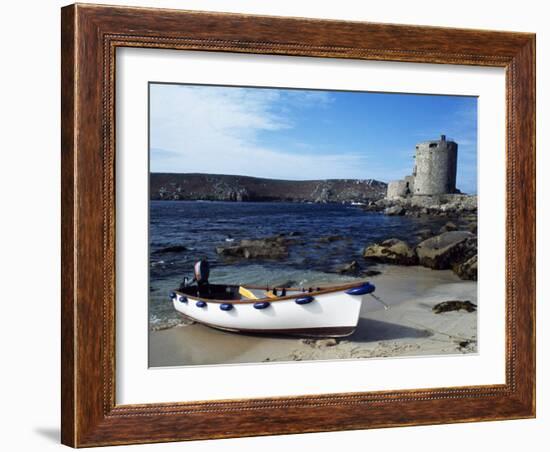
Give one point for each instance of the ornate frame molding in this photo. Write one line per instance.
(90, 37)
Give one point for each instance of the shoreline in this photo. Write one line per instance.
(408, 328)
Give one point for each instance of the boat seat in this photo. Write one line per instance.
(257, 294)
(251, 294)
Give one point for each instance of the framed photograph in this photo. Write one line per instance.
(281, 225)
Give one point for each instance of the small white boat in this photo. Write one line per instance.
(326, 312)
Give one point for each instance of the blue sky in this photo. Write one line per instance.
(304, 134)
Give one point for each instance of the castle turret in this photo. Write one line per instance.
(435, 170)
(401, 188)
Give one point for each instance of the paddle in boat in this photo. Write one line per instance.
(322, 311)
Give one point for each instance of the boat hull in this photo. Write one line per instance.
(329, 315)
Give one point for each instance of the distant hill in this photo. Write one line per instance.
(219, 187)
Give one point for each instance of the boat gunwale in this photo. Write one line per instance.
(323, 291)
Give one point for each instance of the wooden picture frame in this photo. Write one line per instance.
(90, 36)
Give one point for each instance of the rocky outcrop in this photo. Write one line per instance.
(265, 248)
(447, 250)
(220, 187)
(454, 250)
(448, 205)
(391, 251)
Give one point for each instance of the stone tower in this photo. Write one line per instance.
(434, 172)
(435, 168)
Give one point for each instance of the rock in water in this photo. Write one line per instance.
(424, 234)
(330, 238)
(350, 269)
(449, 226)
(171, 249)
(447, 250)
(394, 210)
(392, 251)
(267, 248)
(454, 305)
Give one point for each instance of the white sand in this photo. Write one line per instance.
(408, 328)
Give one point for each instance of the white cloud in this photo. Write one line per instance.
(215, 130)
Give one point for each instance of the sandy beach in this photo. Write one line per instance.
(408, 328)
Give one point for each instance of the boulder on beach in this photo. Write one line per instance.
(447, 250)
(321, 343)
(329, 342)
(454, 305)
(467, 269)
(371, 273)
(355, 269)
(266, 248)
(391, 251)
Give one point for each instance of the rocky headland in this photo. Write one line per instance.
(221, 187)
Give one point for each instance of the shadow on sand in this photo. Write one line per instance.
(369, 330)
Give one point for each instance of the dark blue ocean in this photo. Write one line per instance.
(201, 226)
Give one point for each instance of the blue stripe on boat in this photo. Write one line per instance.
(304, 300)
(200, 304)
(262, 304)
(183, 299)
(226, 306)
(363, 289)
